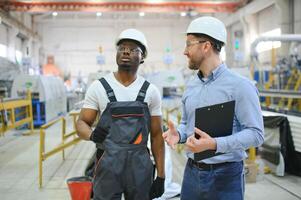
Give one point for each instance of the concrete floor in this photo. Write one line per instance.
(19, 171)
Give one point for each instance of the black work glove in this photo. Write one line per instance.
(98, 134)
(157, 188)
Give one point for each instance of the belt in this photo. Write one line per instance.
(204, 166)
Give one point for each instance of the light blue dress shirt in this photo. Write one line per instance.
(221, 86)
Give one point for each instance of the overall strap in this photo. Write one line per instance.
(109, 90)
(142, 92)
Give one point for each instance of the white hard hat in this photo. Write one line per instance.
(210, 26)
(133, 34)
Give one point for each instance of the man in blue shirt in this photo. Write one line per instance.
(221, 176)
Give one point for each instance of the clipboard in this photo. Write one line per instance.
(217, 121)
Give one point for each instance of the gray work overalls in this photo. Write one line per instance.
(125, 166)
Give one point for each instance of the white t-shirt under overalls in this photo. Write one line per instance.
(96, 96)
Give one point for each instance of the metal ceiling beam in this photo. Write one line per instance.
(81, 6)
(13, 22)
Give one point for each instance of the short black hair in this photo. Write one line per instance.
(136, 42)
(217, 45)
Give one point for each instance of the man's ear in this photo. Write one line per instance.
(142, 61)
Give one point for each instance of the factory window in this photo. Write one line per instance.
(3, 50)
(265, 46)
(19, 56)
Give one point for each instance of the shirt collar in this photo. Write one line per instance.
(215, 73)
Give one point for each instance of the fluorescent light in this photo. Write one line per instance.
(54, 14)
(98, 14)
(141, 14)
(183, 14)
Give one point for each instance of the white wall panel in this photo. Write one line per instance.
(297, 7)
(3, 34)
(267, 20)
(75, 43)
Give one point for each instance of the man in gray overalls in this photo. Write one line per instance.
(130, 109)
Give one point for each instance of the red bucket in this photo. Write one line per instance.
(80, 188)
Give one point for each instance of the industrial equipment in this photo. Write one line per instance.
(279, 88)
(48, 96)
(8, 70)
(169, 82)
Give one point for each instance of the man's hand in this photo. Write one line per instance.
(205, 142)
(171, 136)
(157, 188)
(99, 134)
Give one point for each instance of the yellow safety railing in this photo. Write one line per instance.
(8, 116)
(252, 155)
(61, 147)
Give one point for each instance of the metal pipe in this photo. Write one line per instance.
(280, 93)
(281, 38)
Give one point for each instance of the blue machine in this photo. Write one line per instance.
(38, 109)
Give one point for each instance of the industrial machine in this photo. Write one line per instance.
(169, 82)
(48, 96)
(8, 70)
(279, 87)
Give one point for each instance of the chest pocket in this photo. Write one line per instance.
(128, 125)
(130, 120)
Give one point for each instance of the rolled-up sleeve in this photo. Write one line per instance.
(155, 105)
(91, 97)
(249, 116)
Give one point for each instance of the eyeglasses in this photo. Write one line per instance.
(193, 42)
(135, 51)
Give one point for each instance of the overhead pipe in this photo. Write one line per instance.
(280, 38)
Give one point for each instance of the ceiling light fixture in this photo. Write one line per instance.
(141, 14)
(98, 14)
(54, 14)
(183, 14)
(155, 1)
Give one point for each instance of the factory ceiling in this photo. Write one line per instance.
(152, 6)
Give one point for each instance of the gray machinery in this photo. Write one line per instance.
(8, 70)
(75, 97)
(48, 96)
(169, 82)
